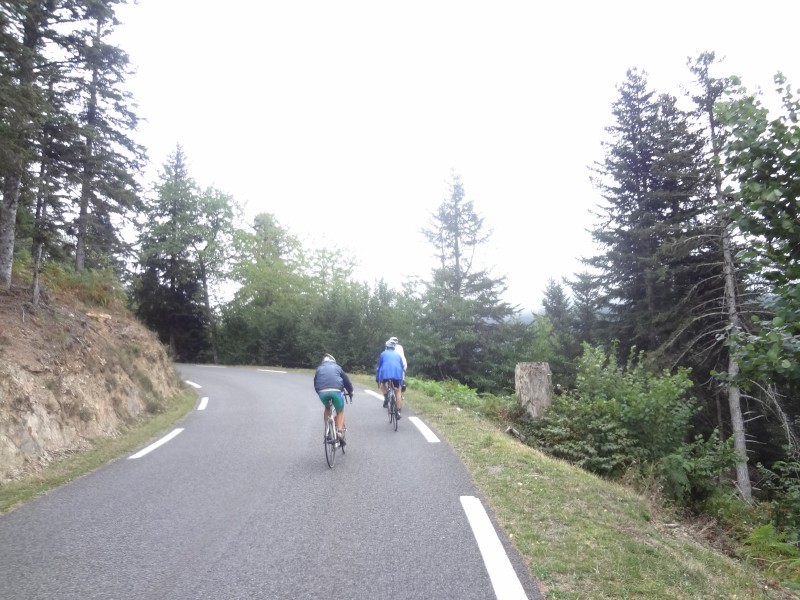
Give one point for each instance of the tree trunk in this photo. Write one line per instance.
(734, 401)
(42, 196)
(209, 314)
(534, 387)
(37, 263)
(734, 393)
(713, 91)
(8, 222)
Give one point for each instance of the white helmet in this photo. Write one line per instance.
(394, 340)
(390, 344)
(328, 358)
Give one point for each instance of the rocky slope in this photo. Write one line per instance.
(70, 373)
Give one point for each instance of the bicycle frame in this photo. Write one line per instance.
(331, 440)
(392, 406)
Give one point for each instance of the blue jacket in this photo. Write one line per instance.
(330, 376)
(390, 366)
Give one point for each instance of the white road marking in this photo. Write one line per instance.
(424, 430)
(203, 403)
(212, 366)
(271, 371)
(504, 580)
(155, 445)
(193, 384)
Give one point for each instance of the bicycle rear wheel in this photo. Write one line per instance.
(391, 401)
(330, 442)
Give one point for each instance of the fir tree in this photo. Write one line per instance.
(168, 292)
(463, 315)
(652, 181)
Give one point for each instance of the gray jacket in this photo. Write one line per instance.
(330, 376)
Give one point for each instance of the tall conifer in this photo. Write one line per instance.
(652, 183)
(463, 313)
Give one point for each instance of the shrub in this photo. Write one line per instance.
(777, 554)
(99, 288)
(690, 474)
(781, 485)
(617, 417)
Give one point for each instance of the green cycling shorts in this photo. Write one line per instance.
(337, 397)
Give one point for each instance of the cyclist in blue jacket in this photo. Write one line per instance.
(329, 382)
(390, 372)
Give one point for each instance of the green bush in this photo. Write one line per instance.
(95, 287)
(99, 288)
(586, 434)
(617, 417)
(691, 473)
(781, 484)
(777, 553)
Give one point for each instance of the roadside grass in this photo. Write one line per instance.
(101, 451)
(582, 536)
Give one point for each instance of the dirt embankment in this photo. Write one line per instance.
(69, 374)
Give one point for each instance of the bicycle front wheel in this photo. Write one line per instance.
(330, 442)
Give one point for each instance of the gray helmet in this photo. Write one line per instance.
(328, 358)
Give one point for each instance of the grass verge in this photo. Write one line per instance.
(101, 452)
(582, 536)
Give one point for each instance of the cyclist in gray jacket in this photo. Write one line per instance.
(330, 381)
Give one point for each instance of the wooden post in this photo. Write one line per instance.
(534, 386)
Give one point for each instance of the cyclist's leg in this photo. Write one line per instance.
(327, 411)
(340, 420)
(398, 392)
(384, 391)
(338, 403)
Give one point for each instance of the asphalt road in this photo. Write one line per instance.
(240, 503)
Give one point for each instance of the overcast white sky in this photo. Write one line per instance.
(345, 118)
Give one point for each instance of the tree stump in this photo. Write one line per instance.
(534, 386)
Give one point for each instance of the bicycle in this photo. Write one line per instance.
(391, 407)
(331, 440)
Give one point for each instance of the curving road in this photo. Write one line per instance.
(237, 502)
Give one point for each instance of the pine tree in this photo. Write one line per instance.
(109, 158)
(168, 292)
(565, 346)
(463, 314)
(586, 308)
(24, 30)
(65, 119)
(652, 181)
